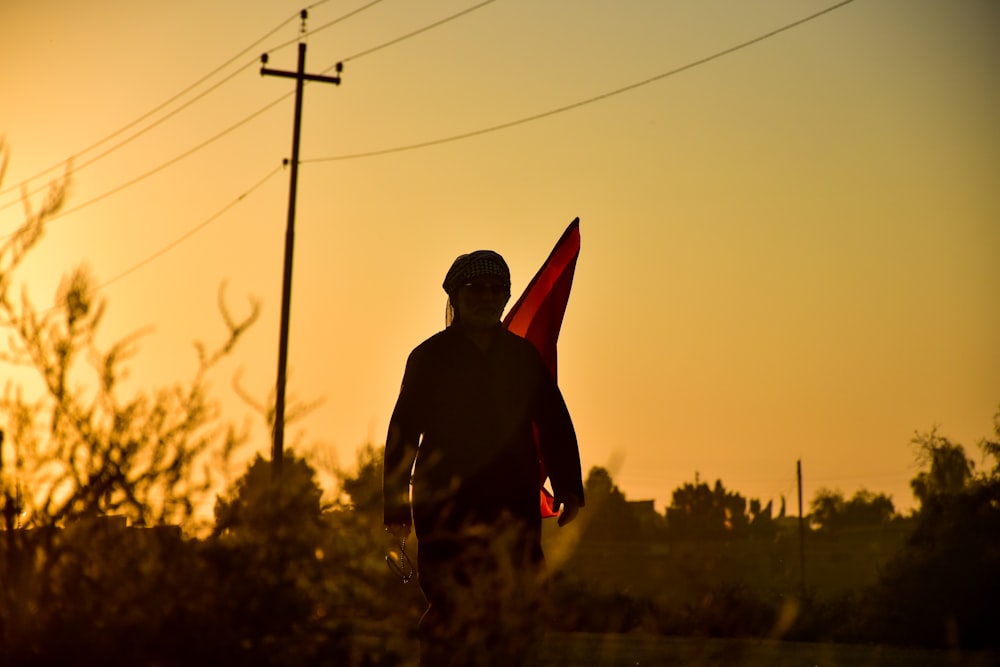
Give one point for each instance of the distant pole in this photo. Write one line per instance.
(11, 505)
(300, 76)
(802, 536)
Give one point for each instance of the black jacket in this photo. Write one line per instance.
(472, 414)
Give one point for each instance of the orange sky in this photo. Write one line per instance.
(789, 252)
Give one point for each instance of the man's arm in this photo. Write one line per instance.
(401, 445)
(400, 450)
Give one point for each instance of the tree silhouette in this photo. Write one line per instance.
(991, 448)
(609, 516)
(946, 576)
(699, 511)
(362, 489)
(79, 447)
(830, 511)
(950, 470)
(259, 505)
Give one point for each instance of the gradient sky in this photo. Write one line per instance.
(789, 251)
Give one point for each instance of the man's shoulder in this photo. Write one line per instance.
(514, 344)
(513, 340)
(450, 338)
(434, 344)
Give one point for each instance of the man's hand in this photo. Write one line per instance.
(570, 508)
(398, 530)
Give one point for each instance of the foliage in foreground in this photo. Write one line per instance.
(73, 445)
(280, 582)
(284, 581)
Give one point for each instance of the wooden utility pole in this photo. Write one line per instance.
(300, 76)
(802, 536)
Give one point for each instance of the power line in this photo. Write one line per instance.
(581, 103)
(161, 106)
(239, 123)
(164, 165)
(78, 166)
(902, 475)
(191, 232)
(444, 140)
(419, 31)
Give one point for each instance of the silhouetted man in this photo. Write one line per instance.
(471, 398)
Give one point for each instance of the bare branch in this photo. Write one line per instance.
(84, 450)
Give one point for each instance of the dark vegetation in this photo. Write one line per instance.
(103, 558)
(714, 565)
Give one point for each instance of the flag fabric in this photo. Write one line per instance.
(538, 315)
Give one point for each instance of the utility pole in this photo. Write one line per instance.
(300, 76)
(802, 536)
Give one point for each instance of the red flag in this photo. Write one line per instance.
(538, 314)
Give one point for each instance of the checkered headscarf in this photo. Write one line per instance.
(474, 265)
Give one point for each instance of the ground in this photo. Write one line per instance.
(592, 650)
(612, 650)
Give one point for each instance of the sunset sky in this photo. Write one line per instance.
(789, 250)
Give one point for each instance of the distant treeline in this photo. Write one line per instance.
(714, 564)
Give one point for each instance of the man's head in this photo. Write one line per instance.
(478, 287)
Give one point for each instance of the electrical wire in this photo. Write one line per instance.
(419, 31)
(79, 166)
(159, 108)
(261, 182)
(166, 164)
(465, 135)
(191, 232)
(581, 103)
(239, 123)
